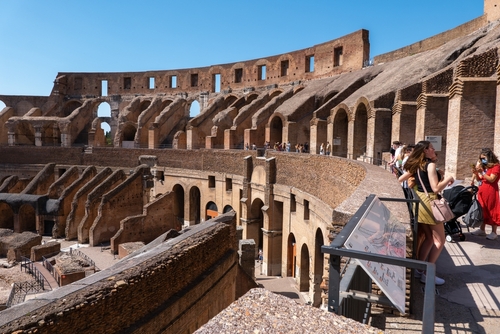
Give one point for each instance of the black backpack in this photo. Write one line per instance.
(460, 198)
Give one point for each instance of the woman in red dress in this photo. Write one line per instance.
(488, 193)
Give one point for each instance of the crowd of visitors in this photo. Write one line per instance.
(415, 166)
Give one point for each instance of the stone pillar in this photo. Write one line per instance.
(153, 136)
(496, 139)
(350, 139)
(320, 133)
(246, 252)
(471, 122)
(38, 136)
(11, 138)
(191, 137)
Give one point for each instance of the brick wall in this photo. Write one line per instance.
(432, 42)
(205, 256)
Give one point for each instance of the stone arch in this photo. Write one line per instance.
(275, 92)
(6, 216)
(27, 218)
(304, 268)
(319, 264)
(360, 130)
(178, 190)
(194, 205)
(25, 133)
(211, 210)
(382, 133)
(256, 223)
(128, 134)
(276, 122)
(194, 108)
(69, 107)
(291, 256)
(227, 208)
(51, 134)
(340, 133)
(256, 68)
(291, 65)
(104, 114)
(2, 105)
(298, 89)
(23, 107)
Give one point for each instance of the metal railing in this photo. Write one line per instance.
(30, 268)
(85, 257)
(50, 268)
(348, 286)
(21, 290)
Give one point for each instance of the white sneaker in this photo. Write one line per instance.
(491, 236)
(437, 280)
(479, 233)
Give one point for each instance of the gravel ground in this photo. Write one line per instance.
(9, 276)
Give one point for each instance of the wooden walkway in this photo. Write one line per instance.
(50, 279)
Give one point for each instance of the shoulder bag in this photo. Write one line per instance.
(440, 207)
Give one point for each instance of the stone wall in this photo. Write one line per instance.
(205, 256)
(432, 42)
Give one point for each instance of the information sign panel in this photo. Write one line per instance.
(380, 232)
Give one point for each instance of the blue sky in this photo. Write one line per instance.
(38, 39)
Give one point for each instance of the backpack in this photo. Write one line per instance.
(460, 198)
(474, 217)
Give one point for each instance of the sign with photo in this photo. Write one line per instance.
(378, 231)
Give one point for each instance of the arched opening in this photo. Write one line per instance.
(318, 267)
(27, 218)
(382, 137)
(304, 269)
(255, 224)
(211, 211)
(340, 130)
(179, 203)
(2, 105)
(194, 109)
(128, 136)
(291, 256)
(227, 208)
(194, 205)
(104, 111)
(6, 216)
(25, 134)
(359, 133)
(70, 107)
(276, 130)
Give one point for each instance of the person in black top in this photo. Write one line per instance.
(422, 165)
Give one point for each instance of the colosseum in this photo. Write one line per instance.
(216, 177)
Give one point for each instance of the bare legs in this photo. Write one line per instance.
(433, 243)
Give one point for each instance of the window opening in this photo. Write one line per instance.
(211, 181)
(216, 82)
(151, 83)
(338, 57)
(127, 83)
(284, 67)
(172, 82)
(262, 72)
(194, 80)
(104, 87)
(306, 210)
(310, 64)
(238, 75)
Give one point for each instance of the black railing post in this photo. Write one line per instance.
(334, 284)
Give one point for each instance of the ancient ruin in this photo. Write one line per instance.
(159, 169)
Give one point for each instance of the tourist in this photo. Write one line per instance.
(328, 148)
(322, 149)
(421, 164)
(487, 194)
